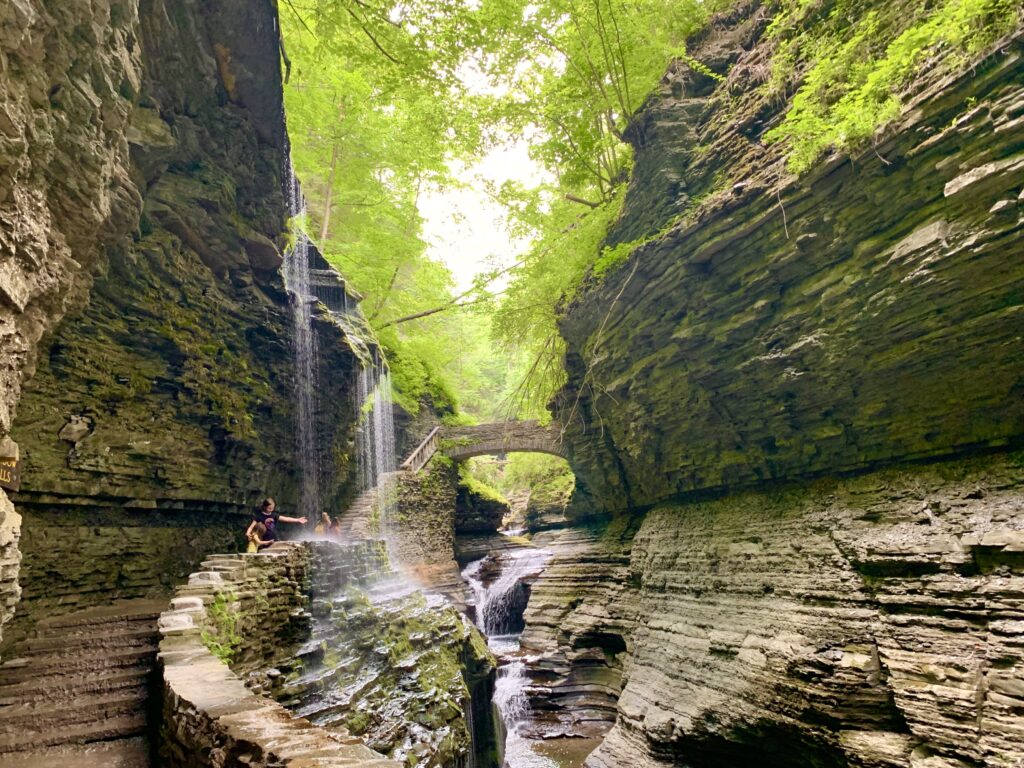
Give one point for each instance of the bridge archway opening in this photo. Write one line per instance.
(536, 486)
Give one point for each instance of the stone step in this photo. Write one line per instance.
(81, 641)
(13, 672)
(113, 728)
(130, 752)
(56, 716)
(57, 687)
(123, 611)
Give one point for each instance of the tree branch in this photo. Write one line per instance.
(573, 199)
(378, 46)
(428, 312)
(455, 302)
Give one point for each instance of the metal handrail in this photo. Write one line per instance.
(419, 457)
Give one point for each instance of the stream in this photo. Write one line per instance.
(499, 600)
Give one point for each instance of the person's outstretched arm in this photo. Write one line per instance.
(286, 519)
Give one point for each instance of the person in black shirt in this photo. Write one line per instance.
(268, 515)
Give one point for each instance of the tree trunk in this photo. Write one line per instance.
(324, 228)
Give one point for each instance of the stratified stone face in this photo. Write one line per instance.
(867, 313)
(477, 513)
(69, 75)
(873, 621)
(424, 528)
(152, 175)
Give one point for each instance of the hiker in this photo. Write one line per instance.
(269, 517)
(256, 540)
(324, 526)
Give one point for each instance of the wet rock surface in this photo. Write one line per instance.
(247, 609)
(576, 623)
(396, 667)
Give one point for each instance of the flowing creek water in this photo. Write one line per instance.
(498, 606)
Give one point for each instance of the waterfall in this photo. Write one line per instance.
(296, 276)
(376, 441)
(510, 694)
(500, 605)
(499, 615)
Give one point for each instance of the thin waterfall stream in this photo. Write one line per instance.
(376, 442)
(297, 282)
(374, 416)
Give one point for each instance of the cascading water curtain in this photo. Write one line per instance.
(296, 275)
(377, 462)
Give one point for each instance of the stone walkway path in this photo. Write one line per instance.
(76, 691)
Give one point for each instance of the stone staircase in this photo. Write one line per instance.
(76, 691)
(356, 521)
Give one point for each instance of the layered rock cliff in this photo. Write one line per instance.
(866, 312)
(870, 621)
(65, 190)
(801, 404)
(146, 148)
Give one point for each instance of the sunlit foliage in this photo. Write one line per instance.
(852, 63)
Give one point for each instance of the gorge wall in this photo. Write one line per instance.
(864, 313)
(801, 405)
(147, 330)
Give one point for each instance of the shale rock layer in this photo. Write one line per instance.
(148, 152)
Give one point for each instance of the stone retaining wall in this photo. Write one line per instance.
(425, 534)
(253, 605)
(75, 558)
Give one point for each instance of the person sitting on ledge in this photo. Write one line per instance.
(269, 517)
(323, 527)
(256, 540)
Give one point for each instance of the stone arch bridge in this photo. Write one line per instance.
(460, 443)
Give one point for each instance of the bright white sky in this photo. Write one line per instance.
(464, 227)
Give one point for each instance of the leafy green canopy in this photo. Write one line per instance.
(369, 96)
(594, 62)
(585, 68)
(379, 105)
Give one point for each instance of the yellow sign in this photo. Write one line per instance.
(10, 473)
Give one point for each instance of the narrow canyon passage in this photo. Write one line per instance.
(511, 384)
